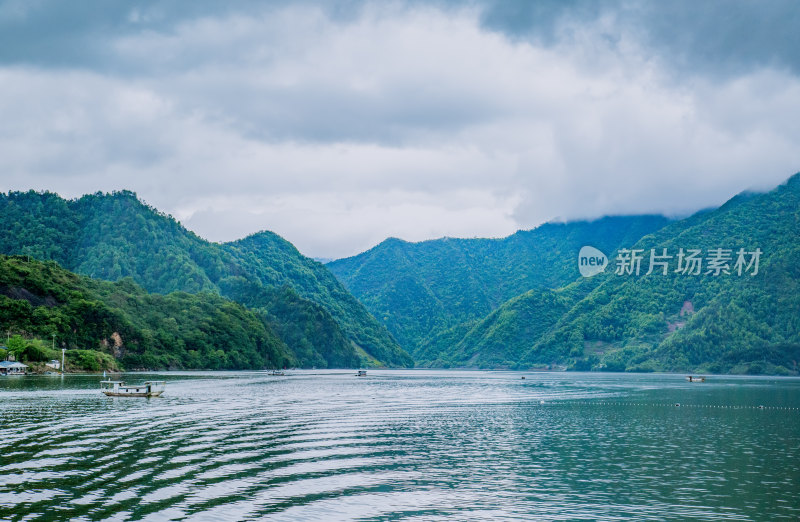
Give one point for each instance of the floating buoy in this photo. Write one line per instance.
(677, 404)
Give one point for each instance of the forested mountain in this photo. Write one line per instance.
(140, 330)
(502, 338)
(725, 322)
(422, 290)
(517, 302)
(675, 321)
(275, 262)
(112, 236)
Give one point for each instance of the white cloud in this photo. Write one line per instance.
(358, 219)
(414, 123)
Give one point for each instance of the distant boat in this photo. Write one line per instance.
(277, 372)
(120, 389)
(361, 373)
(695, 378)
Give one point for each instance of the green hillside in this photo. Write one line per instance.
(421, 290)
(137, 329)
(275, 262)
(683, 322)
(672, 322)
(517, 302)
(115, 236)
(500, 340)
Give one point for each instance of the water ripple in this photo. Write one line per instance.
(412, 445)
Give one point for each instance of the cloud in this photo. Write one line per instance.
(722, 38)
(357, 219)
(338, 128)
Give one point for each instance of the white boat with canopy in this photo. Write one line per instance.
(120, 389)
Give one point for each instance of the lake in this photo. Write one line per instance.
(411, 445)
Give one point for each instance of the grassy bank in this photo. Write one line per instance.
(36, 353)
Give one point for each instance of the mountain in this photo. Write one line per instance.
(706, 322)
(661, 322)
(275, 262)
(421, 290)
(113, 236)
(127, 324)
(517, 302)
(500, 340)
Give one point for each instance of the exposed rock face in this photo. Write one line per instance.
(116, 339)
(16, 292)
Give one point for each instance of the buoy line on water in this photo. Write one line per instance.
(672, 405)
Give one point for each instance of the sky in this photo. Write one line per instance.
(339, 124)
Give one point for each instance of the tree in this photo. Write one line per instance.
(16, 346)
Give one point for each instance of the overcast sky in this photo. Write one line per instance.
(337, 125)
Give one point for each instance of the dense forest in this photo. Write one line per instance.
(422, 290)
(726, 322)
(154, 295)
(647, 322)
(116, 236)
(133, 328)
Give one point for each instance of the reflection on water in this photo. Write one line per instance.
(424, 445)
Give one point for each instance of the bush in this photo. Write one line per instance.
(35, 353)
(90, 361)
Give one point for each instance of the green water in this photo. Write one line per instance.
(413, 445)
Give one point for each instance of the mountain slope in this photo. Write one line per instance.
(500, 339)
(273, 261)
(115, 236)
(418, 290)
(141, 330)
(682, 322)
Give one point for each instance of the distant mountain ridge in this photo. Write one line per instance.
(672, 322)
(419, 290)
(516, 302)
(679, 322)
(112, 236)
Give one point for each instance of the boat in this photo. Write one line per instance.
(277, 372)
(361, 373)
(695, 378)
(120, 389)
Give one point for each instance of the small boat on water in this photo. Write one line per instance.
(277, 372)
(361, 373)
(695, 378)
(120, 389)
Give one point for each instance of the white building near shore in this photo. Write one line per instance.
(12, 368)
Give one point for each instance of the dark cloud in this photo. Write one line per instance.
(720, 37)
(52, 33)
(542, 20)
(724, 37)
(338, 124)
